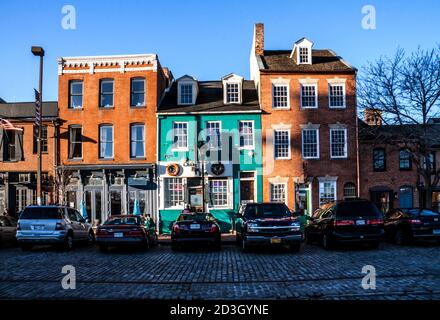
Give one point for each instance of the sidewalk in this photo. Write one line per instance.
(227, 238)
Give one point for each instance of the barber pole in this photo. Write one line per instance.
(37, 113)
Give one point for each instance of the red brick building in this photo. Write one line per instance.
(309, 120)
(18, 156)
(108, 143)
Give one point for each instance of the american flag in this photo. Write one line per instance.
(7, 125)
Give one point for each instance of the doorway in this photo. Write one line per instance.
(247, 187)
(93, 202)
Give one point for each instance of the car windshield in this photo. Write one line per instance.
(268, 210)
(123, 221)
(422, 212)
(195, 217)
(357, 208)
(41, 213)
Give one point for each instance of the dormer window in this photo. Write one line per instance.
(302, 51)
(232, 89)
(303, 55)
(186, 90)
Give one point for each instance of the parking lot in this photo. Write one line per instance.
(410, 272)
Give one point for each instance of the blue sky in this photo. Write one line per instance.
(207, 39)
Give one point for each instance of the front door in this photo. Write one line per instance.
(247, 187)
(383, 200)
(93, 201)
(406, 197)
(116, 202)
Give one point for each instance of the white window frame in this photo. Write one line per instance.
(252, 147)
(101, 156)
(321, 189)
(132, 126)
(227, 182)
(275, 85)
(317, 143)
(219, 146)
(273, 184)
(238, 84)
(179, 148)
(275, 143)
(316, 95)
(167, 193)
(309, 54)
(345, 143)
(186, 83)
(337, 84)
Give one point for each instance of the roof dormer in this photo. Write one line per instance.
(187, 90)
(302, 51)
(232, 89)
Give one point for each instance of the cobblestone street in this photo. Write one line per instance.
(411, 272)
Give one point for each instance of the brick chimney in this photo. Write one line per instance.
(373, 117)
(259, 39)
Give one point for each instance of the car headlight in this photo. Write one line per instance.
(295, 226)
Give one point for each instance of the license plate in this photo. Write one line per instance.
(436, 231)
(360, 222)
(118, 235)
(194, 226)
(275, 240)
(38, 227)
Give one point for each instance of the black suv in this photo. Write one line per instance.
(346, 221)
(268, 224)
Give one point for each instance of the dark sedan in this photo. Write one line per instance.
(199, 228)
(126, 230)
(406, 225)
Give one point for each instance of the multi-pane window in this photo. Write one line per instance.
(43, 139)
(349, 190)
(304, 55)
(379, 159)
(337, 95)
(430, 162)
(75, 94)
(186, 93)
(137, 143)
(106, 93)
(310, 143)
(278, 192)
(404, 160)
(180, 135)
(213, 134)
(75, 142)
(281, 144)
(280, 93)
(327, 192)
(309, 96)
(338, 143)
(219, 193)
(174, 195)
(246, 132)
(106, 141)
(137, 92)
(232, 93)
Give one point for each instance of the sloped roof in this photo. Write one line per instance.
(21, 110)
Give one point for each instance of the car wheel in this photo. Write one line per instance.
(399, 237)
(103, 248)
(327, 243)
(175, 247)
(155, 240)
(245, 246)
(308, 239)
(26, 247)
(217, 246)
(238, 239)
(374, 245)
(295, 246)
(146, 245)
(68, 242)
(91, 237)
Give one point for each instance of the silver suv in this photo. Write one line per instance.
(57, 225)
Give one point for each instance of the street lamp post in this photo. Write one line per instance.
(39, 52)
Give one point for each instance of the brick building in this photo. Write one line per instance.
(309, 123)
(18, 156)
(108, 137)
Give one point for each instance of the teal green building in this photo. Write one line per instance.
(209, 149)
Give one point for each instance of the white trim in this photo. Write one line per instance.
(344, 103)
(289, 156)
(345, 144)
(321, 183)
(253, 136)
(247, 179)
(317, 142)
(101, 126)
(181, 149)
(286, 192)
(186, 81)
(309, 84)
(228, 193)
(220, 137)
(282, 126)
(282, 83)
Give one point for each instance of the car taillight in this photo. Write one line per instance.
(176, 228)
(59, 226)
(375, 221)
(214, 228)
(415, 221)
(101, 232)
(136, 233)
(339, 223)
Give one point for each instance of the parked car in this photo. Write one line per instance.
(126, 230)
(268, 224)
(57, 225)
(406, 225)
(8, 229)
(346, 221)
(200, 228)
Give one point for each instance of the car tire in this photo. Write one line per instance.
(175, 247)
(245, 246)
(26, 247)
(146, 245)
(308, 239)
(217, 246)
(103, 248)
(327, 243)
(68, 242)
(238, 239)
(295, 247)
(399, 237)
(374, 245)
(155, 240)
(91, 237)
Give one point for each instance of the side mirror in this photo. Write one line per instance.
(87, 220)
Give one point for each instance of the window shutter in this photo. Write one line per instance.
(19, 145)
(1, 144)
